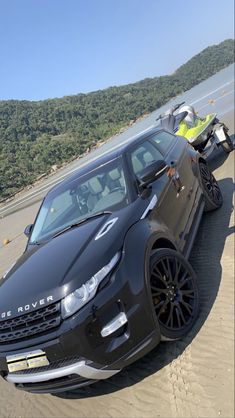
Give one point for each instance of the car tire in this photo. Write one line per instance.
(227, 145)
(174, 293)
(211, 191)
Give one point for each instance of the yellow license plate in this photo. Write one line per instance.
(24, 361)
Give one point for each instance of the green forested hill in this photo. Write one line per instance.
(36, 135)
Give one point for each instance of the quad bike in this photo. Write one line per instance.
(204, 134)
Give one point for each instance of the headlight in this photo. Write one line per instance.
(76, 300)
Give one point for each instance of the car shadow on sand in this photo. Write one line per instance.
(205, 258)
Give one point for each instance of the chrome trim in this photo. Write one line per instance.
(80, 368)
(161, 171)
(151, 205)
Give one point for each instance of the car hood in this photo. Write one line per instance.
(50, 271)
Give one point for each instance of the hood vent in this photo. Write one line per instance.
(106, 228)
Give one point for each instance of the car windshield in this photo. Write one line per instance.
(102, 189)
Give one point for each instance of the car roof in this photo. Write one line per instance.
(93, 162)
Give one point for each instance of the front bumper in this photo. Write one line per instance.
(75, 373)
(56, 380)
(78, 352)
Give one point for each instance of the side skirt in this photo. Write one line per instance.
(194, 228)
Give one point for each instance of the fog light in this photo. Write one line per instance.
(114, 325)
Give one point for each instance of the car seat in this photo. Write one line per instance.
(95, 188)
(114, 179)
(136, 164)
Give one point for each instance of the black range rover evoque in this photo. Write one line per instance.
(105, 277)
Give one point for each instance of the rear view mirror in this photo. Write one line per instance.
(152, 172)
(28, 230)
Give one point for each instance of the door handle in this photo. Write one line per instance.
(189, 195)
(175, 177)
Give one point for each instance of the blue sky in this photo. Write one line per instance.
(52, 48)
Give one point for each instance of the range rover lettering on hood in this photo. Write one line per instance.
(27, 307)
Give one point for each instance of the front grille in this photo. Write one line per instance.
(30, 324)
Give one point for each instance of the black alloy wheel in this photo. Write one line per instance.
(211, 190)
(174, 293)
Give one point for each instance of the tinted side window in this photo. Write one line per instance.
(144, 155)
(164, 140)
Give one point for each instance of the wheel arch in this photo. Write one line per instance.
(202, 160)
(162, 243)
(156, 242)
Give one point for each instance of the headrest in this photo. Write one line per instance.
(148, 158)
(115, 174)
(95, 186)
(137, 166)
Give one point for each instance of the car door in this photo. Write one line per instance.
(175, 152)
(168, 207)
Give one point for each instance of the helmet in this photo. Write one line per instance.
(191, 116)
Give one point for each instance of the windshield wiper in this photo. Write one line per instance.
(67, 228)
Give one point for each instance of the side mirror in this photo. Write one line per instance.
(28, 230)
(152, 172)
